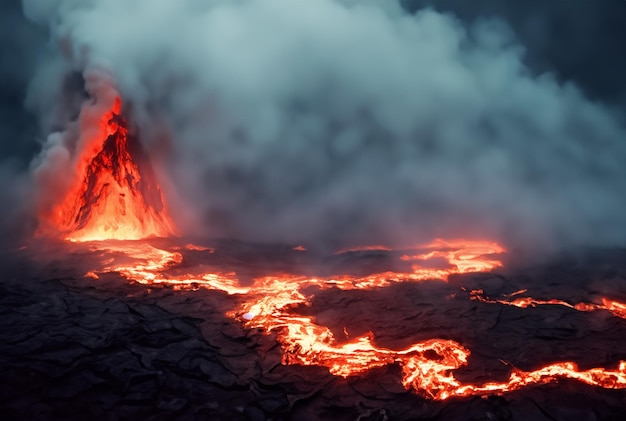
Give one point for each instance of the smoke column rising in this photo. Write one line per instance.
(338, 122)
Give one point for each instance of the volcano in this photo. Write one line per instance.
(116, 195)
(148, 324)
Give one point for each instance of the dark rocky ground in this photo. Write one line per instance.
(77, 348)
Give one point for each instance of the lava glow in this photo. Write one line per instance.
(427, 367)
(115, 195)
(616, 308)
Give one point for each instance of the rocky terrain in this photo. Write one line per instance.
(81, 348)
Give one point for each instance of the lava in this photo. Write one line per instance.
(116, 195)
(434, 379)
(146, 264)
(462, 256)
(616, 308)
(427, 367)
(363, 248)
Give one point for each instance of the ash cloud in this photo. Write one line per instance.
(341, 122)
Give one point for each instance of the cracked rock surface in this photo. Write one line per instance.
(80, 348)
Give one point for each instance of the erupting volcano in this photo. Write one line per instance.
(115, 195)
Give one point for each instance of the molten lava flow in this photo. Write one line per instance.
(145, 264)
(115, 195)
(616, 308)
(434, 379)
(462, 256)
(111, 193)
(427, 367)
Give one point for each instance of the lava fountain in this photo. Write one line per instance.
(115, 194)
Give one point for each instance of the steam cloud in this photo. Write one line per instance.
(339, 122)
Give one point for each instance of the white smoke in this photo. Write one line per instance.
(66, 154)
(348, 122)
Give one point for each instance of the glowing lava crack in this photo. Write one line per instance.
(427, 367)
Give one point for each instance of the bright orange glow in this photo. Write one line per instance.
(615, 307)
(116, 195)
(463, 256)
(618, 309)
(147, 264)
(433, 378)
(427, 367)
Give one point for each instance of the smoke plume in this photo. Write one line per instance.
(337, 122)
(579, 40)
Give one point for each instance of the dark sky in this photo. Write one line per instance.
(21, 43)
(580, 41)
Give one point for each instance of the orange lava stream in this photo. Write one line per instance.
(363, 248)
(616, 308)
(427, 367)
(147, 264)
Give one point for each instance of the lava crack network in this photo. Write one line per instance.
(427, 367)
